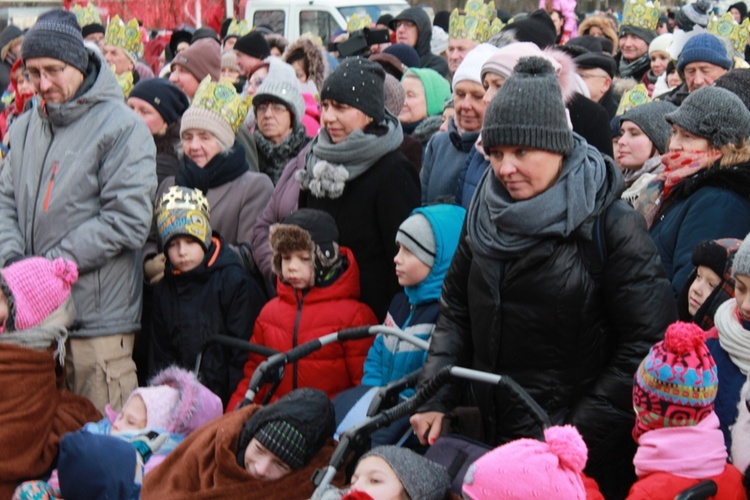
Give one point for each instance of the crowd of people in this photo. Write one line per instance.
(562, 201)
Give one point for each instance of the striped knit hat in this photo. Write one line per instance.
(676, 384)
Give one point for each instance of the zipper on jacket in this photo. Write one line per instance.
(38, 188)
(300, 297)
(49, 186)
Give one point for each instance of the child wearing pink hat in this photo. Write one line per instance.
(679, 440)
(34, 288)
(154, 419)
(529, 468)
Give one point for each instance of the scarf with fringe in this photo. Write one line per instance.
(329, 166)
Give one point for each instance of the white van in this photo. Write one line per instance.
(292, 18)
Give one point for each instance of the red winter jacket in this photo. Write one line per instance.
(666, 486)
(294, 317)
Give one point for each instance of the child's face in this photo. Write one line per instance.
(673, 79)
(410, 271)
(3, 310)
(132, 417)
(376, 478)
(659, 61)
(185, 253)
(297, 269)
(742, 295)
(705, 282)
(262, 464)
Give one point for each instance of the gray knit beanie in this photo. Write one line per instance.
(56, 34)
(741, 264)
(281, 84)
(394, 94)
(736, 81)
(691, 14)
(357, 82)
(528, 110)
(704, 113)
(650, 118)
(421, 477)
(416, 234)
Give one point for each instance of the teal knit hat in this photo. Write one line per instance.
(437, 90)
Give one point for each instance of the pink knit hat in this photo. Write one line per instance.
(34, 288)
(528, 468)
(160, 402)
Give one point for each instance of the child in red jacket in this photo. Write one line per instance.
(679, 440)
(317, 294)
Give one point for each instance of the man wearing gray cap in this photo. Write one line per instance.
(79, 183)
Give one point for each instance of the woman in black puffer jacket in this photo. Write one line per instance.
(521, 299)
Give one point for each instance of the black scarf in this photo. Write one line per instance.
(272, 158)
(221, 169)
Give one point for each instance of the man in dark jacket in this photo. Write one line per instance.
(413, 28)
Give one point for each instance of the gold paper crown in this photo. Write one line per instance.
(125, 36)
(478, 23)
(726, 27)
(641, 13)
(633, 98)
(357, 22)
(125, 80)
(221, 98)
(238, 29)
(179, 197)
(87, 15)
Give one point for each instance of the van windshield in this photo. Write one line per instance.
(374, 11)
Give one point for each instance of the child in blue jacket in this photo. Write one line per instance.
(427, 240)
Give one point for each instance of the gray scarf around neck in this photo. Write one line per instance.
(329, 166)
(502, 228)
(629, 69)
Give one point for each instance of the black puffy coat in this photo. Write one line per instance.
(573, 346)
(216, 298)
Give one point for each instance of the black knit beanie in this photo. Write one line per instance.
(92, 28)
(294, 428)
(528, 110)
(253, 44)
(56, 34)
(536, 28)
(357, 82)
(166, 98)
(650, 118)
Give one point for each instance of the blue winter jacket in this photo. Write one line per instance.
(469, 178)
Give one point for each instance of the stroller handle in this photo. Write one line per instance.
(234, 343)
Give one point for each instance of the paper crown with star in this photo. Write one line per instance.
(478, 22)
(357, 22)
(238, 29)
(125, 36)
(222, 99)
(637, 96)
(641, 13)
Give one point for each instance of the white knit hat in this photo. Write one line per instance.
(471, 67)
(661, 43)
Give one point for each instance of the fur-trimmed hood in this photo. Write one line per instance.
(195, 406)
(602, 23)
(317, 62)
(567, 77)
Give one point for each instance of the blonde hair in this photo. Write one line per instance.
(733, 154)
(4, 51)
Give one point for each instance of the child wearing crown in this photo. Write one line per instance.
(205, 292)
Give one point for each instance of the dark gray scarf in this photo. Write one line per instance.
(329, 166)
(272, 158)
(502, 228)
(632, 68)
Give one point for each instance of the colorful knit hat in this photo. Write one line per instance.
(35, 287)
(183, 211)
(217, 108)
(676, 383)
(437, 90)
(528, 468)
(160, 402)
(125, 36)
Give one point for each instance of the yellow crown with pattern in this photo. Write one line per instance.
(641, 13)
(125, 80)
(238, 29)
(183, 198)
(126, 36)
(633, 98)
(87, 15)
(221, 98)
(726, 27)
(479, 22)
(357, 22)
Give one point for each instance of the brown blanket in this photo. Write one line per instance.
(204, 466)
(34, 414)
